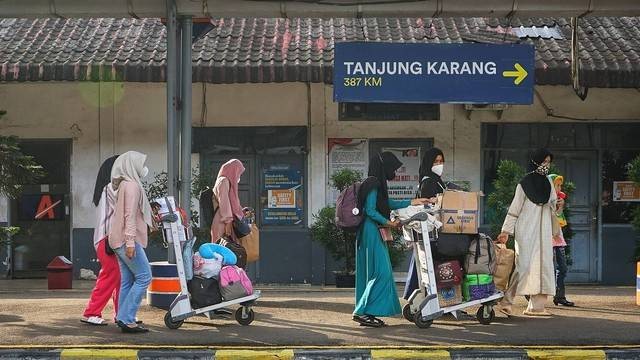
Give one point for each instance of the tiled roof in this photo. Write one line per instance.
(240, 50)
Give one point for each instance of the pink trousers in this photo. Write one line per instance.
(107, 285)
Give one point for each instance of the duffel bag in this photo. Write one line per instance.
(204, 292)
(234, 283)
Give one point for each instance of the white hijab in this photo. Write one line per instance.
(130, 166)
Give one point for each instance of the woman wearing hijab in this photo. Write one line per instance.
(431, 184)
(531, 219)
(128, 236)
(225, 191)
(375, 287)
(108, 282)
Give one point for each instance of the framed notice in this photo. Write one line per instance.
(347, 153)
(626, 191)
(405, 184)
(282, 185)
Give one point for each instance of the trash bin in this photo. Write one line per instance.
(59, 273)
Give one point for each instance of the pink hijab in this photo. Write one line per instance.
(232, 170)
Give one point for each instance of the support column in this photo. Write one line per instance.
(172, 106)
(185, 114)
(172, 98)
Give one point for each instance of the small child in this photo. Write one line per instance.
(559, 244)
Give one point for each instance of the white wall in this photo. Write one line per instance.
(116, 117)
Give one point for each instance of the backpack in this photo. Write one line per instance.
(482, 256)
(208, 208)
(234, 283)
(348, 215)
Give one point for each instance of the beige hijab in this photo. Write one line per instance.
(130, 166)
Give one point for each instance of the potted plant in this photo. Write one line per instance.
(340, 244)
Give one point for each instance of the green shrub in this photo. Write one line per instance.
(633, 171)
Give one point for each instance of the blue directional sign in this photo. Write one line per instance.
(433, 73)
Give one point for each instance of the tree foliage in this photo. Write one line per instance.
(633, 171)
(16, 170)
(508, 177)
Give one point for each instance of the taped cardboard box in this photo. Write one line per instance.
(459, 212)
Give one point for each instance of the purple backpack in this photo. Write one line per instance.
(348, 215)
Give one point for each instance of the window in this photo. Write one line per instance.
(386, 112)
(614, 168)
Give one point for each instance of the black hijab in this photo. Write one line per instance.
(536, 186)
(103, 178)
(434, 185)
(382, 168)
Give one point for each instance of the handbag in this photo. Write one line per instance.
(204, 292)
(448, 274)
(238, 250)
(241, 227)
(505, 259)
(386, 234)
(107, 247)
(251, 243)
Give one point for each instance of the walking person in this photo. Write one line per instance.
(225, 192)
(431, 184)
(531, 219)
(559, 245)
(108, 282)
(128, 236)
(375, 287)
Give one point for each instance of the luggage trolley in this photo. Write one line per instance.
(181, 308)
(423, 306)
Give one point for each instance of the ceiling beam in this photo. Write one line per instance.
(319, 9)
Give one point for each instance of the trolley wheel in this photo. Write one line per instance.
(246, 319)
(485, 319)
(168, 321)
(407, 314)
(420, 322)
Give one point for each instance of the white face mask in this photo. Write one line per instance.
(438, 169)
(145, 172)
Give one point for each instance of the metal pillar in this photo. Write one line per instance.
(185, 115)
(172, 104)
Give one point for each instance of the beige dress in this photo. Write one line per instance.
(533, 227)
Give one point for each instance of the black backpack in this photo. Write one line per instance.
(207, 208)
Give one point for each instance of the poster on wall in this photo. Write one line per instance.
(626, 191)
(346, 153)
(405, 184)
(282, 191)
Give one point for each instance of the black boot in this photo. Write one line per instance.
(563, 302)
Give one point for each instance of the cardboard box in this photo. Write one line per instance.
(459, 212)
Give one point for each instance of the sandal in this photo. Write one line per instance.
(543, 313)
(368, 320)
(94, 320)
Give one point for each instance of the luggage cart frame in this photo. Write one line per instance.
(423, 306)
(181, 308)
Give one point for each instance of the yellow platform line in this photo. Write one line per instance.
(410, 354)
(70, 354)
(254, 354)
(566, 354)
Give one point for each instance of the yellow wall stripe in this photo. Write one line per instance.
(566, 354)
(410, 354)
(128, 354)
(254, 354)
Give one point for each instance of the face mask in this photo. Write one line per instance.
(145, 172)
(438, 169)
(543, 170)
